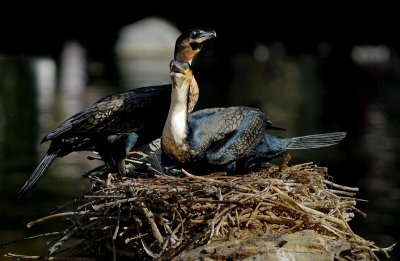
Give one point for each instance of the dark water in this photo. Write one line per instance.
(307, 93)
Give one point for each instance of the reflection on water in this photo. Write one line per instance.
(72, 77)
(18, 96)
(306, 93)
(30, 107)
(44, 70)
(380, 180)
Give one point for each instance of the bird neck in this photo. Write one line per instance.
(175, 132)
(193, 95)
(184, 52)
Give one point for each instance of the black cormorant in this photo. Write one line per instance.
(116, 123)
(223, 139)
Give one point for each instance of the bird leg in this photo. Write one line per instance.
(121, 169)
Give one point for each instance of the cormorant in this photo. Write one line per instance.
(116, 123)
(223, 139)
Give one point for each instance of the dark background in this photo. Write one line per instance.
(362, 99)
(301, 28)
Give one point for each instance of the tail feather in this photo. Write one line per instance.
(316, 141)
(36, 175)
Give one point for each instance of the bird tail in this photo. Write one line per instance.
(316, 141)
(36, 175)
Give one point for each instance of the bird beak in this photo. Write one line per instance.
(204, 36)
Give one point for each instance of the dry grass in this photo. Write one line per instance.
(163, 217)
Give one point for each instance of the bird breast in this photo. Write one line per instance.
(175, 134)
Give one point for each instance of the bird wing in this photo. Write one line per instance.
(206, 127)
(124, 112)
(227, 134)
(89, 117)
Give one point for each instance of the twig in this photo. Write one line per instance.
(216, 181)
(150, 218)
(104, 196)
(359, 212)
(148, 250)
(117, 227)
(385, 249)
(134, 238)
(31, 237)
(61, 241)
(218, 201)
(59, 258)
(113, 203)
(37, 221)
(252, 214)
(340, 186)
(237, 218)
(340, 192)
(114, 249)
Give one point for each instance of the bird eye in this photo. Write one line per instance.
(193, 34)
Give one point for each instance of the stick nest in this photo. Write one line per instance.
(166, 217)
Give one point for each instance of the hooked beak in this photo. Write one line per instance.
(204, 36)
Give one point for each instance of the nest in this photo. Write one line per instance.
(217, 216)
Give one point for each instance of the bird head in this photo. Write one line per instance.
(189, 43)
(181, 74)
